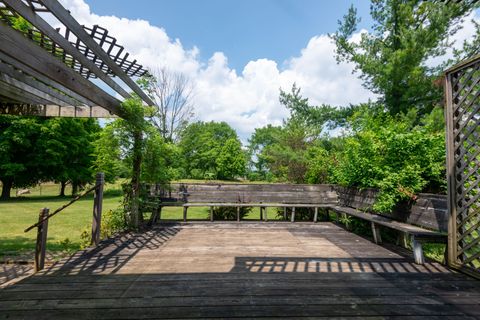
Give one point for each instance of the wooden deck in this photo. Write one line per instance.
(250, 270)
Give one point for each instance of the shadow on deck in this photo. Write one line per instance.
(228, 270)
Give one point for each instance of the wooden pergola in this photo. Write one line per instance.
(47, 70)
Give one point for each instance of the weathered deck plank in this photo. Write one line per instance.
(246, 270)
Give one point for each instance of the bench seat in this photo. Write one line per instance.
(418, 235)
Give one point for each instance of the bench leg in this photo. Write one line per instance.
(402, 239)
(211, 214)
(315, 215)
(377, 237)
(285, 213)
(293, 214)
(326, 214)
(261, 213)
(238, 214)
(185, 214)
(417, 251)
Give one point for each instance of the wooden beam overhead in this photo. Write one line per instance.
(17, 46)
(70, 23)
(81, 100)
(27, 13)
(20, 95)
(31, 90)
(15, 74)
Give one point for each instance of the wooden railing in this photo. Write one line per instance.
(44, 216)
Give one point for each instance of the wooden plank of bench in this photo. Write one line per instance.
(384, 221)
(419, 235)
(255, 204)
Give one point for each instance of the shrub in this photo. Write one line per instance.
(229, 213)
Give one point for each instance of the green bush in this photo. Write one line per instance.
(229, 213)
(393, 155)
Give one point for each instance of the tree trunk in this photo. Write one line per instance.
(137, 163)
(7, 185)
(74, 188)
(63, 185)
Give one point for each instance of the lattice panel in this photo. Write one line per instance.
(99, 34)
(465, 107)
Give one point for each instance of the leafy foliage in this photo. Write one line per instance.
(392, 58)
(393, 155)
(211, 150)
(35, 149)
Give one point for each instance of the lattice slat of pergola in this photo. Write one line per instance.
(47, 68)
(463, 157)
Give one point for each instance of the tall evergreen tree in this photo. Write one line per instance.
(392, 58)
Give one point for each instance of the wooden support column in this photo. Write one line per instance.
(97, 208)
(285, 213)
(417, 251)
(293, 215)
(211, 214)
(238, 214)
(376, 233)
(41, 244)
(185, 213)
(315, 215)
(261, 213)
(265, 213)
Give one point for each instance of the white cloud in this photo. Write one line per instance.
(246, 99)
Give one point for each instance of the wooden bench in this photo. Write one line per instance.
(262, 196)
(426, 221)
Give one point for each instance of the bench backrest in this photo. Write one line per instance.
(428, 211)
(250, 193)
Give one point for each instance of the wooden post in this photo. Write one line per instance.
(376, 233)
(238, 214)
(41, 244)
(265, 213)
(315, 215)
(417, 251)
(285, 213)
(261, 213)
(211, 214)
(185, 214)
(451, 185)
(293, 214)
(97, 208)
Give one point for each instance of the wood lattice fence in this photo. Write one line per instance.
(463, 164)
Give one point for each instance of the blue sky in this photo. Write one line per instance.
(239, 53)
(244, 30)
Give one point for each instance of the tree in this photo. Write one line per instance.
(172, 93)
(68, 144)
(21, 159)
(261, 138)
(231, 160)
(392, 57)
(201, 144)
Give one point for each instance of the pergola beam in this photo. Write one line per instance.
(30, 90)
(17, 46)
(43, 79)
(23, 78)
(13, 93)
(27, 13)
(70, 23)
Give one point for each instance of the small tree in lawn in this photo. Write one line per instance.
(231, 161)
